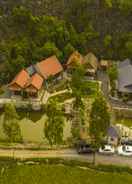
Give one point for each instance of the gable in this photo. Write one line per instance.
(15, 87)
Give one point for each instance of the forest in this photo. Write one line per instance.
(32, 30)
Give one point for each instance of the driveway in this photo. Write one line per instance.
(67, 154)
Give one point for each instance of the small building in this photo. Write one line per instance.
(34, 85)
(26, 86)
(124, 82)
(49, 67)
(75, 59)
(91, 63)
(29, 82)
(113, 135)
(18, 83)
(104, 64)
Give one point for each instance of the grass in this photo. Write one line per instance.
(62, 97)
(59, 174)
(126, 122)
(32, 127)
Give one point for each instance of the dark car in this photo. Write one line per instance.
(85, 149)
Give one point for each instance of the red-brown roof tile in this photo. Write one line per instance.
(49, 67)
(35, 81)
(21, 79)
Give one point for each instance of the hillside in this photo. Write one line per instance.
(101, 26)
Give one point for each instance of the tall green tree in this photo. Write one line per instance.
(53, 128)
(10, 124)
(77, 82)
(78, 87)
(99, 121)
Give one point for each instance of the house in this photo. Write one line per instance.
(113, 135)
(126, 132)
(124, 83)
(104, 64)
(49, 67)
(34, 85)
(29, 82)
(91, 63)
(75, 59)
(25, 85)
(18, 83)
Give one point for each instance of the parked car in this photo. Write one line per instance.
(125, 150)
(107, 149)
(85, 149)
(126, 142)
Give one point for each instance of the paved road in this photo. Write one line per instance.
(68, 154)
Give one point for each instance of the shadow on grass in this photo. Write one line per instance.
(33, 116)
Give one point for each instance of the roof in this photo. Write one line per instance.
(104, 63)
(36, 81)
(31, 70)
(21, 79)
(91, 60)
(75, 58)
(49, 67)
(125, 76)
(113, 132)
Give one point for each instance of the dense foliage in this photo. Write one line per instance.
(99, 119)
(10, 124)
(53, 128)
(31, 31)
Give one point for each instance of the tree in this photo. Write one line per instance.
(78, 86)
(68, 50)
(50, 49)
(77, 82)
(54, 124)
(128, 46)
(99, 121)
(112, 72)
(10, 124)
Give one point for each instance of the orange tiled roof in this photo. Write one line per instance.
(21, 79)
(49, 67)
(36, 81)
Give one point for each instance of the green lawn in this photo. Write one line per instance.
(126, 122)
(59, 174)
(32, 127)
(62, 97)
